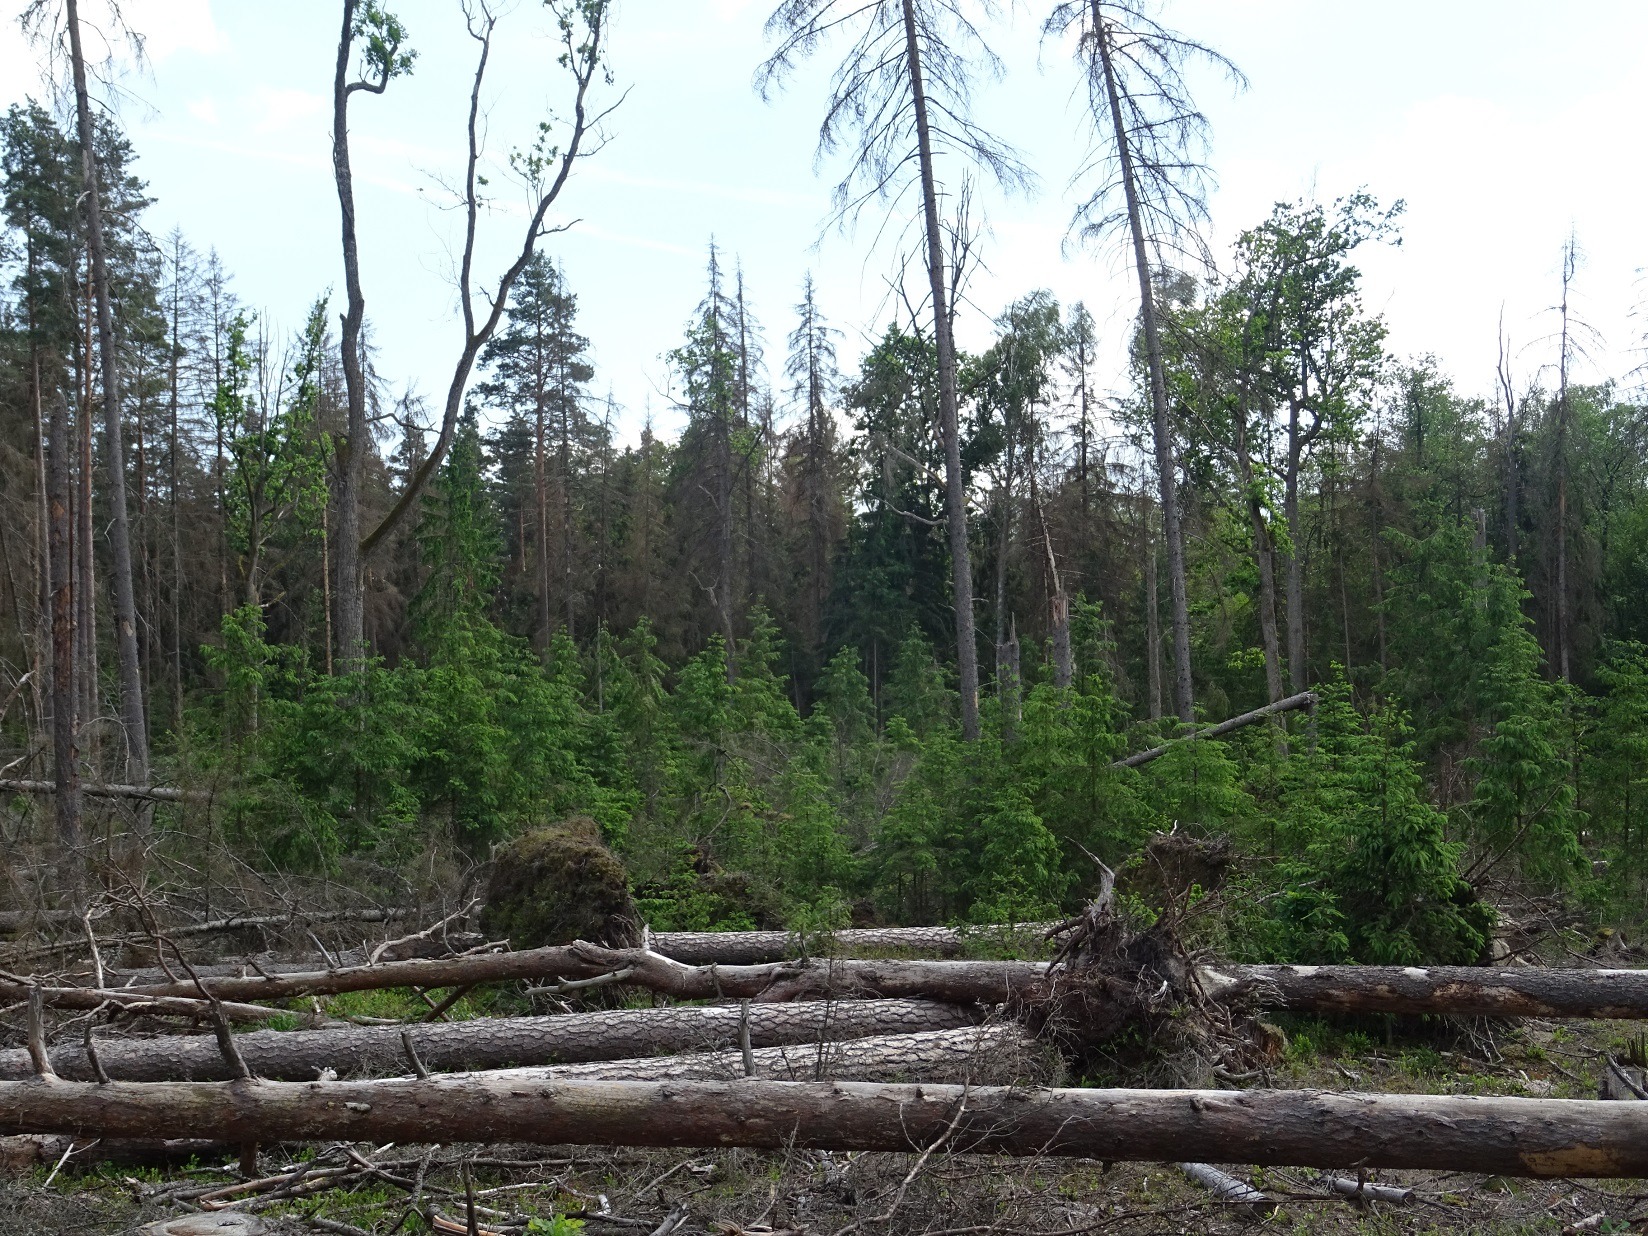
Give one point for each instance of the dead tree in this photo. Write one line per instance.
(133, 718)
(899, 100)
(1147, 154)
(1305, 1128)
(545, 168)
(498, 1042)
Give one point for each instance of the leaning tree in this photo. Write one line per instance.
(1146, 174)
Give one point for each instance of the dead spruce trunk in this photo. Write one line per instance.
(956, 982)
(1508, 1137)
(1002, 1052)
(700, 948)
(1456, 991)
(1469, 991)
(491, 1043)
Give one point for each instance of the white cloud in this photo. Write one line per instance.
(204, 110)
(172, 26)
(280, 110)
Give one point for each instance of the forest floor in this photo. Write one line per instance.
(536, 1189)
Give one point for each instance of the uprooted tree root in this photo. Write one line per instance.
(1125, 998)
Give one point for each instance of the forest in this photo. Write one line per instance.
(948, 709)
(866, 641)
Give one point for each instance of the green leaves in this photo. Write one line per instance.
(384, 54)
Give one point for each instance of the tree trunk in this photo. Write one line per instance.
(1305, 699)
(1453, 991)
(1450, 990)
(1001, 1052)
(502, 1042)
(1295, 555)
(750, 947)
(955, 490)
(65, 769)
(540, 497)
(354, 445)
(1161, 429)
(1264, 557)
(1153, 623)
(133, 717)
(1310, 1128)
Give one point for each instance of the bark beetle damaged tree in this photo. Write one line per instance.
(544, 167)
(899, 99)
(1148, 152)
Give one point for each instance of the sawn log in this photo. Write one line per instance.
(493, 1042)
(1500, 1136)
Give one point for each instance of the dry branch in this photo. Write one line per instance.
(490, 1043)
(1500, 1136)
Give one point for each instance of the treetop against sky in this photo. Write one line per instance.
(1502, 125)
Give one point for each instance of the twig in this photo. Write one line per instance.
(921, 1162)
(439, 1010)
(412, 1055)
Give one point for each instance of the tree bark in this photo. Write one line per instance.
(133, 717)
(1305, 699)
(1454, 991)
(955, 490)
(504, 1042)
(65, 769)
(1161, 429)
(948, 981)
(147, 793)
(1264, 557)
(1002, 1052)
(1500, 1136)
(354, 445)
(751, 947)
(1444, 990)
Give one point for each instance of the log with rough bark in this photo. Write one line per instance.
(699, 948)
(1457, 991)
(1304, 1128)
(1469, 991)
(969, 981)
(1305, 699)
(493, 1042)
(1003, 1052)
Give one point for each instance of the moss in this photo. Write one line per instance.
(558, 884)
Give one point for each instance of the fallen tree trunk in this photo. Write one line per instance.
(1003, 1052)
(1499, 1136)
(1305, 699)
(1456, 991)
(1468, 991)
(493, 1042)
(699, 948)
(955, 982)
(147, 793)
(33, 1150)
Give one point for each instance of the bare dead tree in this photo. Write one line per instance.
(60, 29)
(543, 169)
(900, 102)
(65, 771)
(1149, 175)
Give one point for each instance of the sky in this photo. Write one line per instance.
(1502, 124)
